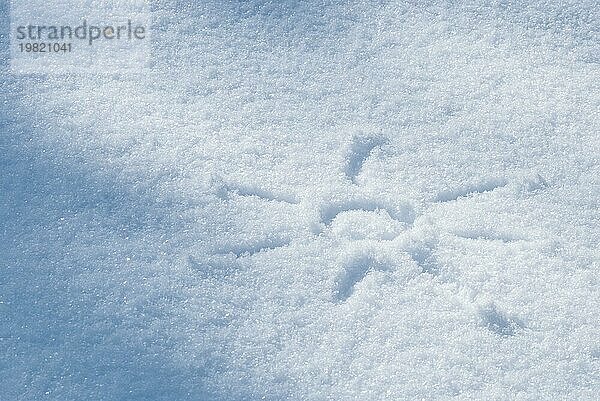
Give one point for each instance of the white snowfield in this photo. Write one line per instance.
(310, 200)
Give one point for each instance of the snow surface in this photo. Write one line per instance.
(317, 200)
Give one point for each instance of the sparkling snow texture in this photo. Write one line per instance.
(316, 200)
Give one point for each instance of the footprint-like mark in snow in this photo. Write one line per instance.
(354, 271)
(360, 149)
(424, 257)
(403, 213)
(486, 186)
(498, 322)
(252, 248)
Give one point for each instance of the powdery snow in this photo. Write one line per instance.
(319, 200)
